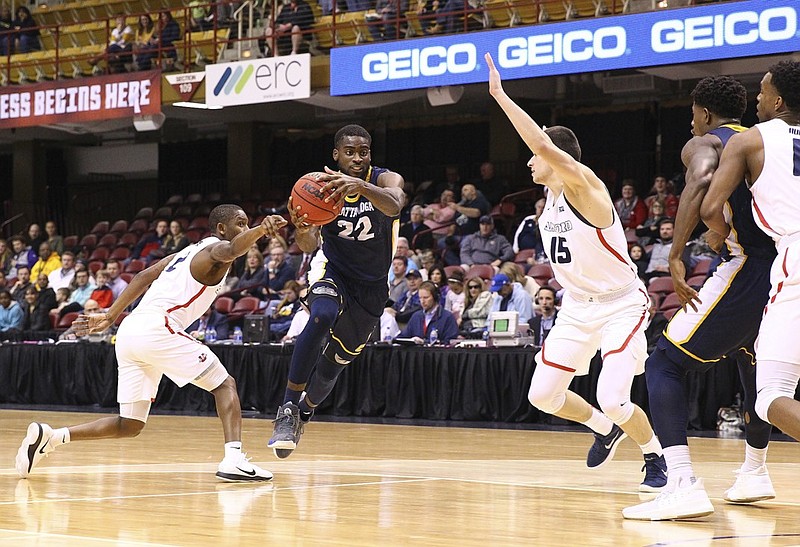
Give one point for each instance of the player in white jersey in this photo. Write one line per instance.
(768, 157)
(605, 305)
(151, 343)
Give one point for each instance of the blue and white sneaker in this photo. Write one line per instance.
(655, 473)
(602, 451)
(287, 429)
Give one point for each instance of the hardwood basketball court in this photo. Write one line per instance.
(365, 484)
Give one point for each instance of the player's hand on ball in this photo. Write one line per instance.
(89, 324)
(299, 218)
(340, 185)
(272, 224)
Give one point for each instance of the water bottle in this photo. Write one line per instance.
(387, 334)
(434, 337)
(237, 335)
(211, 335)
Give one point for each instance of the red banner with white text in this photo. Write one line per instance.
(81, 100)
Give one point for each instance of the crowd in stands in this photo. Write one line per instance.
(453, 268)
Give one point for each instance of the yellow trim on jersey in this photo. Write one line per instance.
(355, 197)
(752, 357)
(395, 235)
(341, 345)
(735, 126)
(689, 353)
(708, 311)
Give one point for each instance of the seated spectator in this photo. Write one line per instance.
(283, 313)
(120, 47)
(477, 304)
(150, 242)
(398, 285)
(658, 265)
(27, 32)
(253, 280)
(288, 34)
(201, 17)
(455, 298)
(20, 286)
(3, 281)
(48, 261)
(515, 274)
(56, 241)
(632, 211)
(469, 210)
(510, 296)
(62, 298)
(36, 315)
(83, 288)
(11, 316)
(542, 322)
(438, 277)
(211, 318)
(640, 258)
(115, 281)
(102, 294)
(63, 276)
(527, 235)
(91, 308)
(439, 215)
(5, 256)
(404, 308)
(175, 241)
(143, 49)
(402, 250)
(35, 236)
(384, 24)
(448, 18)
(279, 271)
(22, 255)
(485, 247)
(6, 32)
(299, 322)
(169, 32)
(430, 318)
(662, 191)
(492, 187)
(47, 296)
(413, 231)
(451, 251)
(647, 232)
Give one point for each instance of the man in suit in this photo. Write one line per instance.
(542, 322)
(211, 318)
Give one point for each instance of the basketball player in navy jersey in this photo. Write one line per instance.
(768, 157)
(722, 320)
(605, 304)
(348, 280)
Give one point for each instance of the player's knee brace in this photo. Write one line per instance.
(618, 409)
(780, 382)
(545, 399)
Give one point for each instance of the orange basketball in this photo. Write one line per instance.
(307, 193)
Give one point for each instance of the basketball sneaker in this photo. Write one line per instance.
(750, 486)
(686, 500)
(287, 430)
(35, 446)
(241, 470)
(655, 473)
(602, 451)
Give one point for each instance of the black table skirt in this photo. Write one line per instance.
(475, 384)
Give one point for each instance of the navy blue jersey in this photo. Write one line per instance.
(746, 237)
(360, 242)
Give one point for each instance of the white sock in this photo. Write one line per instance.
(679, 463)
(60, 436)
(754, 457)
(599, 422)
(653, 446)
(233, 450)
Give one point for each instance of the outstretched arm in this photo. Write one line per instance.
(582, 187)
(700, 156)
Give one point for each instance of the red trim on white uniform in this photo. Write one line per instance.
(761, 216)
(187, 304)
(554, 365)
(630, 336)
(607, 246)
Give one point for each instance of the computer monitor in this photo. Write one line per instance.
(503, 324)
(255, 329)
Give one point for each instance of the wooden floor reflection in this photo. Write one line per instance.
(356, 484)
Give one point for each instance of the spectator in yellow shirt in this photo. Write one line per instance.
(48, 261)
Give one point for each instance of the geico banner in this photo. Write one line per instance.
(86, 99)
(259, 81)
(688, 35)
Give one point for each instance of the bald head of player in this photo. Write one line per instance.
(780, 93)
(717, 100)
(227, 221)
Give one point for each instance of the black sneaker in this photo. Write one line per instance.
(602, 451)
(655, 473)
(286, 431)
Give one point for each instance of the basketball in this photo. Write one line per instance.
(307, 193)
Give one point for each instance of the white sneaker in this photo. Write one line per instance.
(35, 446)
(751, 486)
(241, 470)
(686, 500)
